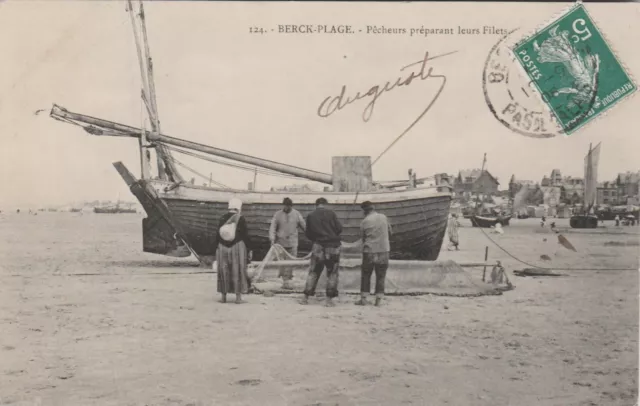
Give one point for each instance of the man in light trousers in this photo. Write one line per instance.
(284, 232)
(375, 230)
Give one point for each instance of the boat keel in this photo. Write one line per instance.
(160, 232)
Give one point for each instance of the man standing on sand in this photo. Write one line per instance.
(284, 232)
(375, 230)
(323, 229)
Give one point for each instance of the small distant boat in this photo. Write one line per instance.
(504, 219)
(487, 220)
(113, 210)
(75, 210)
(587, 219)
(484, 221)
(117, 209)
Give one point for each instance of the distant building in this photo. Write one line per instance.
(516, 185)
(568, 180)
(555, 178)
(628, 186)
(551, 195)
(572, 194)
(607, 193)
(475, 181)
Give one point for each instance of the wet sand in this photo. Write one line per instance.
(147, 330)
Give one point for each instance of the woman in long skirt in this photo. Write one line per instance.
(232, 256)
(453, 232)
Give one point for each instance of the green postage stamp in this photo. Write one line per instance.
(574, 69)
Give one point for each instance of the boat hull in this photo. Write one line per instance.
(583, 221)
(504, 220)
(418, 225)
(418, 218)
(484, 222)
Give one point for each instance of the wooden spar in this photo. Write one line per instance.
(148, 96)
(587, 181)
(144, 172)
(255, 178)
(125, 130)
(145, 89)
(155, 120)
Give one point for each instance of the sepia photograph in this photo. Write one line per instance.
(319, 203)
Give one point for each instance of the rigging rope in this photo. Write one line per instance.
(174, 160)
(550, 269)
(221, 162)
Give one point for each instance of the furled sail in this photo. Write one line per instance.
(591, 177)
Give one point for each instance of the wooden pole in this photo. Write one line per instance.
(148, 94)
(484, 159)
(161, 151)
(486, 256)
(144, 173)
(145, 87)
(255, 178)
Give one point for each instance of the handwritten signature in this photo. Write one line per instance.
(332, 104)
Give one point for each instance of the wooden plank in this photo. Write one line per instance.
(351, 173)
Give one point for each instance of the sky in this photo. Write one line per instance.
(259, 94)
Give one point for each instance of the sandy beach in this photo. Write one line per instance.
(141, 329)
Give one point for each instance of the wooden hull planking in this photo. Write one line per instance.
(583, 221)
(419, 223)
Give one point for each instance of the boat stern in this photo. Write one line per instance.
(159, 235)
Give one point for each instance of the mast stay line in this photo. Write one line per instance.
(97, 126)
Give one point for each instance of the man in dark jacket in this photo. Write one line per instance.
(323, 229)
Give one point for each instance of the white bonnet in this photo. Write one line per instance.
(235, 204)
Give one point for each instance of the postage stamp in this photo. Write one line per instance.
(512, 97)
(574, 69)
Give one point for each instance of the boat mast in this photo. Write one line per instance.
(587, 182)
(142, 140)
(163, 156)
(484, 160)
(155, 122)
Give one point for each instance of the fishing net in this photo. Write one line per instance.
(444, 278)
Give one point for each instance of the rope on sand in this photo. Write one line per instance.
(550, 269)
(494, 292)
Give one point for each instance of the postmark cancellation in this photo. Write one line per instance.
(574, 69)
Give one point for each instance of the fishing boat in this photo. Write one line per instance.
(182, 217)
(504, 219)
(114, 209)
(486, 220)
(587, 218)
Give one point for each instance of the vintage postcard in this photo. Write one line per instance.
(283, 203)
